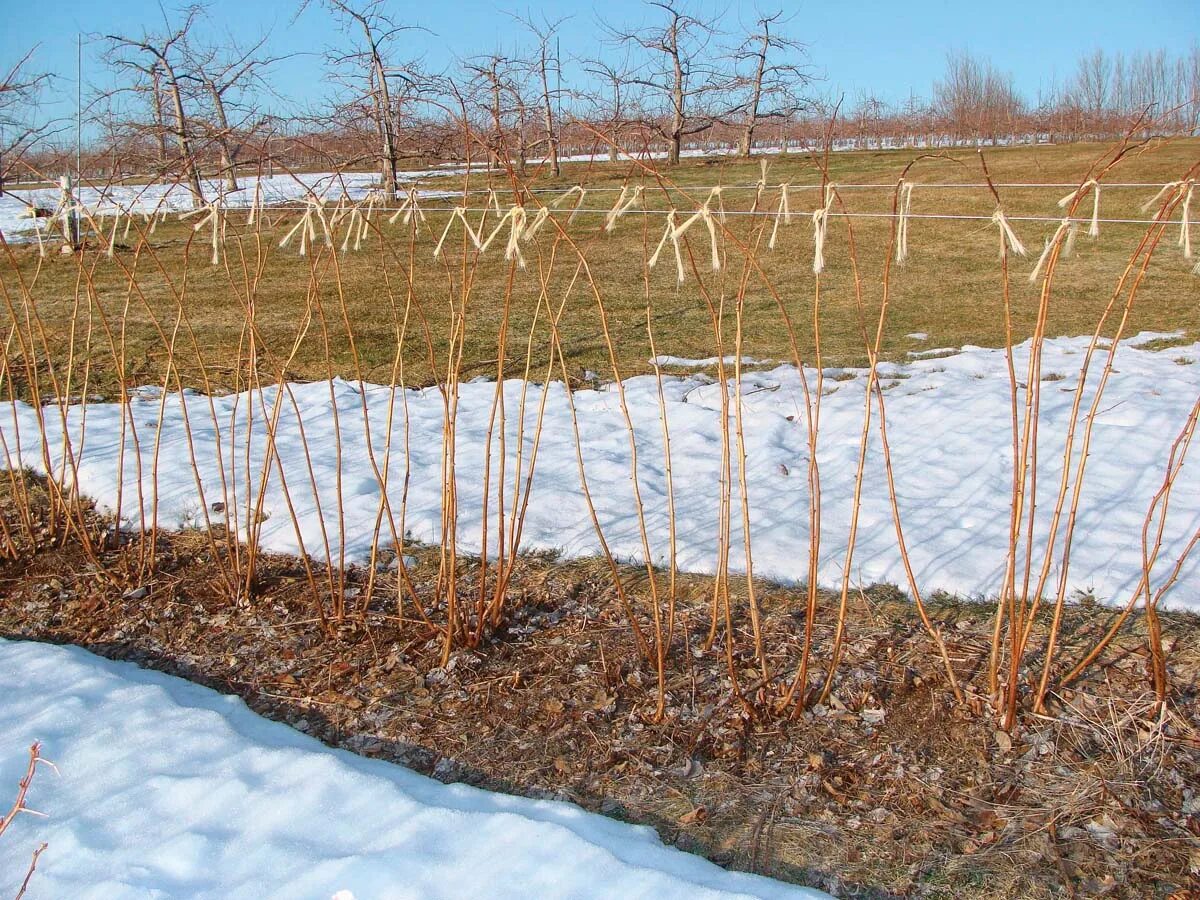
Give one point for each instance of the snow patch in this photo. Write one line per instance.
(707, 362)
(949, 426)
(169, 789)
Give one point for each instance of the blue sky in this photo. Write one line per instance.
(886, 48)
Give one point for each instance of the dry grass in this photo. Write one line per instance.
(948, 289)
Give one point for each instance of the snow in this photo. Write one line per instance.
(168, 789)
(936, 351)
(949, 426)
(150, 198)
(918, 336)
(707, 362)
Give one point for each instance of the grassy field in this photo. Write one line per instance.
(950, 287)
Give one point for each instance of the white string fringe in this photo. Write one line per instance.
(715, 194)
(410, 207)
(577, 189)
(906, 189)
(674, 233)
(516, 219)
(459, 214)
(626, 200)
(360, 223)
(1008, 238)
(307, 226)
(1169, 188)
(1094, 226)
(761, 184)
(1185, 222)
(820, 220)
(212, 217)
(540, 218)
(782, 214)
(1065, 229)
(1069, 245)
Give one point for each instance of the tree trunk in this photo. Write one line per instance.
(383, 117)
(746, 143)
(160, 125)
(677, 110)
(548, 117)
(228, 152)
(185, 143)
(384, 111)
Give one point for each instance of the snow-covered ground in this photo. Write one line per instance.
(168, 789)
(705, 363)
(949, 427)
(149, 198)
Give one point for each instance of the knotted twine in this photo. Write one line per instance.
(628, 198)
(820, 220)
(1008, 237)
(906, 189)
(1094, 226)
(1066, 228)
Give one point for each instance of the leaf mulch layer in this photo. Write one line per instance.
(889, 788)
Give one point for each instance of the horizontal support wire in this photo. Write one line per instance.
(814, 187)
(765, 214)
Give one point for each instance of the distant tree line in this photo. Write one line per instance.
(191, 107)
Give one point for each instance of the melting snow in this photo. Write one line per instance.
(168, 789)
(949, 425)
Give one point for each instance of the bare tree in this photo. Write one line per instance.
(609, 103)
(541, 63)
(976, 99)
(496, 90)
(19, 91)
(677, 73)
(225, 74)
(771, 85)
(160, 56)
(369, 72)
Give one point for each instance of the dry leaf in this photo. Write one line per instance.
(1003, 741)
(697, 816)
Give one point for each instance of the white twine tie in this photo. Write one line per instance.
(1065, 229)
(577, 189)
(1169, 188)
(1094, 226)
(212, 216)
(1008, 238)
(1185, 222)
(628, 198)
(782, 214)
(409, 207)
(314, 212)
(906, 189)
(672, 234)
(820, 220)
(516, 219)
(459, 214)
